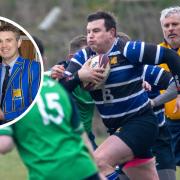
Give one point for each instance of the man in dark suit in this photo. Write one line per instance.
(19, 77)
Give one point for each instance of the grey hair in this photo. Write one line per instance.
(169, 11)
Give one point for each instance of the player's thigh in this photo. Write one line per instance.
(139, 134)
(113, 151)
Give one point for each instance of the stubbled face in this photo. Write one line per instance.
(171, 30)
(9, 46)
(98, 38)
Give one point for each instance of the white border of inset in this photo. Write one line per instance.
(42, 70)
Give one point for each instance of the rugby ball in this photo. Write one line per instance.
(97, 61)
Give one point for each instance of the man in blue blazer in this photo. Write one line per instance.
(23, 77)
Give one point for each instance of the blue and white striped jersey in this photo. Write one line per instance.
(159, 79)
(122, 95)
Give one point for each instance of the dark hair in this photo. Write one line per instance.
(39, 44)
(109, 19)
(10, 27)
(77, 43)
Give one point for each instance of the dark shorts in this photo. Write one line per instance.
(174, 128)
(140, 133)
(162, 150)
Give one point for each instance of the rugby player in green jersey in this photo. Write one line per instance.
(82, 97)
(48, 138)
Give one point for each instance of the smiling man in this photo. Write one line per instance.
(19, 77)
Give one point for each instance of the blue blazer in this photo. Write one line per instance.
(22, 87)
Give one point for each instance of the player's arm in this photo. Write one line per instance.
(6, 144)
(170, 94)
(85, 74)
(161, 79)
(87, 143)
(57, 71)
(70, 82)
(6, 139)
(69, 74)
(78, 127)
(77, 73)
(144, 53)
(157, 77)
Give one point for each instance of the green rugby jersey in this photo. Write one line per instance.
(48, 138)
(85, 106)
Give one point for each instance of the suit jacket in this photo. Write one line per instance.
(22, 87)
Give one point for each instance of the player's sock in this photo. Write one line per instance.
(113, 176)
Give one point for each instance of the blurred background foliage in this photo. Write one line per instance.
(138, 18)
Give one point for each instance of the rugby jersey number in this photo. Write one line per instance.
(52, 101)
(107, 96)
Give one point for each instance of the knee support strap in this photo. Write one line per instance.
(136, 162)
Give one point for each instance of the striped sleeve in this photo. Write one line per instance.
(35, 74)
(157, 76)
(77, 61)
(138, 52)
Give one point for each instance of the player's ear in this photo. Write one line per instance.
(113, 32)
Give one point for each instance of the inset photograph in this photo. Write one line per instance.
(20, 71)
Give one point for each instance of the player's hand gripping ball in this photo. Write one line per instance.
(98, 61)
